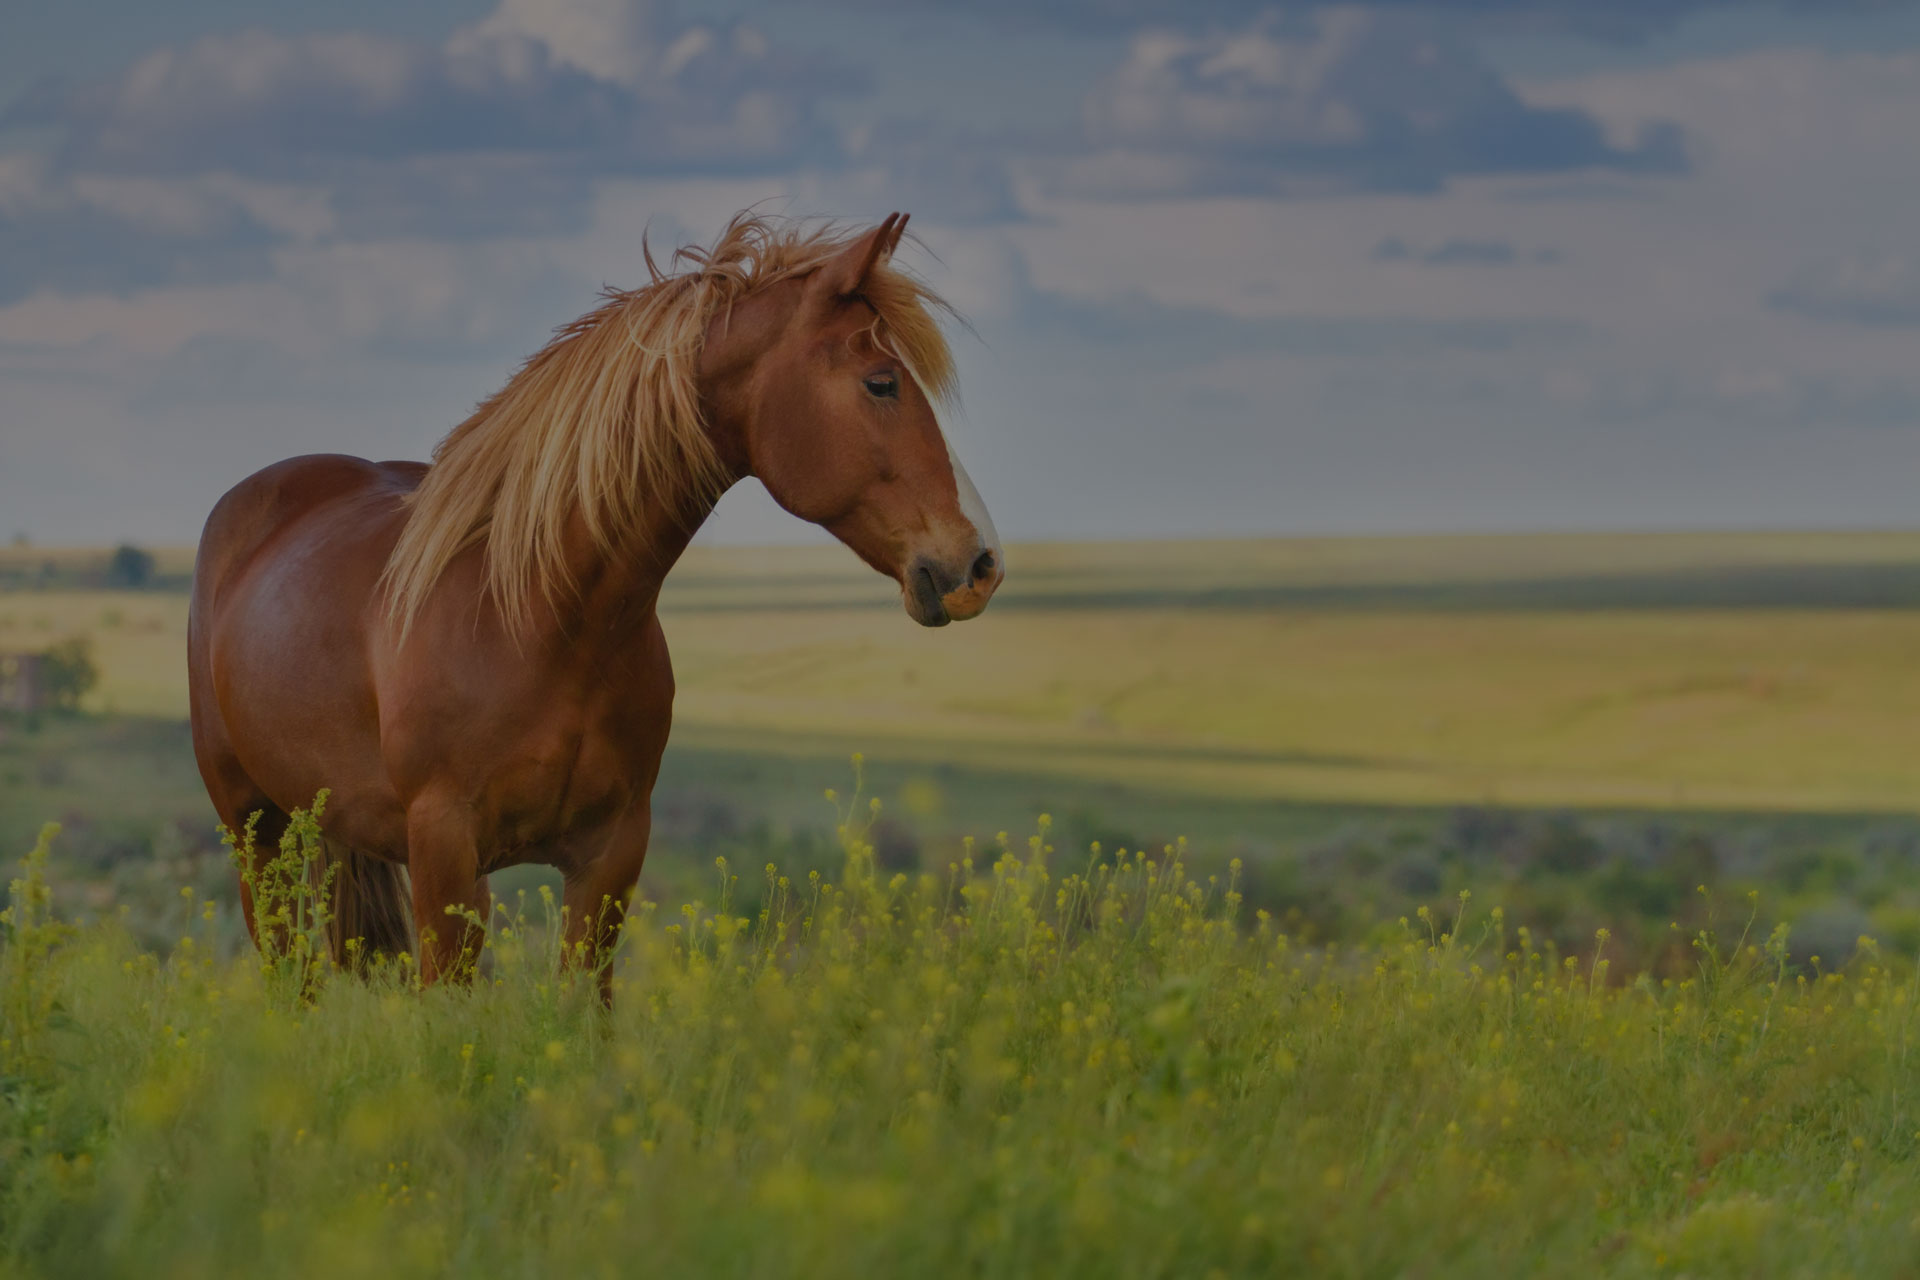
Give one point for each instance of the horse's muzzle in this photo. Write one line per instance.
(937, 594)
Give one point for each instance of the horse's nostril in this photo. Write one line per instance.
(983, 567)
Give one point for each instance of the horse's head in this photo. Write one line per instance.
(842, 433)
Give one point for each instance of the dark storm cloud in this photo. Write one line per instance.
(1877, 290)
(1345, 99)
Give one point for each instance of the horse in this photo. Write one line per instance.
(467, 654)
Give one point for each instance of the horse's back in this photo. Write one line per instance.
(264, 504)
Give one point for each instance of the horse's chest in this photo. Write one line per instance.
(553, 805)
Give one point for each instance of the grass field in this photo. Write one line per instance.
(919, 1056)
(1335, 712)
(1032, 1065)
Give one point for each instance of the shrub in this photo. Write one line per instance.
(129, 567)
(68, 672)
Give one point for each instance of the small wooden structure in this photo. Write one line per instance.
(23, 684)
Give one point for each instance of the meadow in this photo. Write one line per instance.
(1436, 906)
(1033, 1063)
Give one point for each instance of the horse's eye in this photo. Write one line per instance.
(883, 386)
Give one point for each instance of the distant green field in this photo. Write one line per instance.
(1724, 671)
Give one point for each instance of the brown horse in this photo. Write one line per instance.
(467, 653)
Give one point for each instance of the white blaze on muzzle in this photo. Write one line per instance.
(972, 507)
(970, 504)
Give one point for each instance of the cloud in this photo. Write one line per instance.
(1131, 327)
(1617, 20)
(1138, 328)
(949, 174)
(503, 128)
(614, 86)
(112, 233)
(1461, 251)
(1471, 253)
(1747, 397)
(1342, 99)
(418, 301)
(197, 161)
(1876, 290)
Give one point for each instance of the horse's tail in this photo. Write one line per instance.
(372, 904)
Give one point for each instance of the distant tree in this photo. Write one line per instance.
(130, 567)
(67, 672)
(20, 539)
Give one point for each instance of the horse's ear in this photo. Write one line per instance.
(843, 274)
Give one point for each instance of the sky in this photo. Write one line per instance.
(1230, 268)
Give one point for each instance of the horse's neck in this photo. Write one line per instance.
(619, 590)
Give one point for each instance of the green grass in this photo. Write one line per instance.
(1037, 1065)
(139, 828)
(1057, 1060)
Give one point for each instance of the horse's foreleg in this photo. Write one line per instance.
(450, 897)
(596, 897)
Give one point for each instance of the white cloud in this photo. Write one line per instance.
(1346, 98)
(620, 41)
(194, 162)
(634, 43)
(612, 85)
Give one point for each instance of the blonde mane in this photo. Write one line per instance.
(605, 419)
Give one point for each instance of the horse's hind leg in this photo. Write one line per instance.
(264, 847)
(369, 904)
(236, 798)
